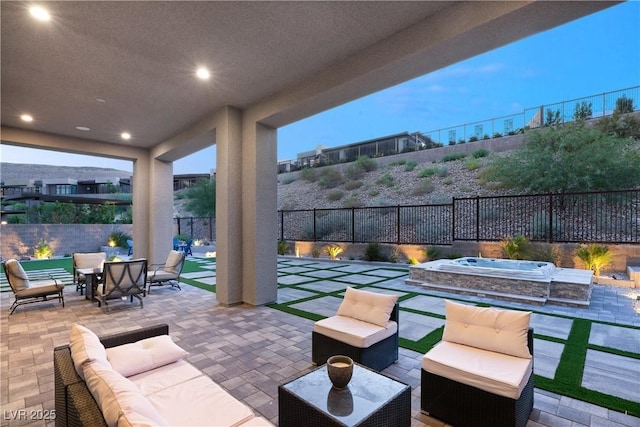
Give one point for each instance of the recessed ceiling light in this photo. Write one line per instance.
(83, 128)
(26, 118)
(203, 74)
(125, 135)
(40, 13)
(101, 101)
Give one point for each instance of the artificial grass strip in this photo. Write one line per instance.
(425, 343)
(296, 312)
(615, 351)
(574, 354)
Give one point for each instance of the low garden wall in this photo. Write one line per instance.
(20, 240)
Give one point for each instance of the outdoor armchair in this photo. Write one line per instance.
(27, 291)
(86, 260)
(122, 279)
(167, 273)
(365, 328)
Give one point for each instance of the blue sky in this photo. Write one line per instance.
(596, 54)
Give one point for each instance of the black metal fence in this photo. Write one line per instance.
(201, 228)
(591, 217)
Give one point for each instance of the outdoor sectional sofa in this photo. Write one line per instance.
(138, 378)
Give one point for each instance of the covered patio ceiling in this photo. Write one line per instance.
(129, 66)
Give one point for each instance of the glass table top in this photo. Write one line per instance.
(366, 392)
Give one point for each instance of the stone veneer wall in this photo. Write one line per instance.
(19, 240)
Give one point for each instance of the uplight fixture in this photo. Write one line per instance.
(40, 13)
(26, 118)
(125, 135)
(202, 73)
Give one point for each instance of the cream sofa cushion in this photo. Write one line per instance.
(367, 306)
(120, 401)
(85, 347)
(166, 376)
(488, 328)
(354, 332)
(496, 373)
(18, 277)
(144, 355)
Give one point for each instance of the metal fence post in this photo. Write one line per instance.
(398, 224)
(453, 219)
(314, 224)
(550, 217)
(353, 225)
(282, 225)
(477, 218)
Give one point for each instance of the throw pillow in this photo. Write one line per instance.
(85, 347)
(144, 355)
(367, 306)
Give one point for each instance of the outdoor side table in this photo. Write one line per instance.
(370, 399)
(91, 280)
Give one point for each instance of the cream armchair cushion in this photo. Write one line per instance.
(498, 330)
(369, 307)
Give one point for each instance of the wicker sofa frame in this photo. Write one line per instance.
(75, 406)
(463, 405)
(377, 356)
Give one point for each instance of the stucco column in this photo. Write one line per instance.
(259, 213)
(229, 168)
(152, 208)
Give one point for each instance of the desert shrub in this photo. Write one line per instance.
(431, 253)
(394, 255)
(352, 202)
(516, 247)
(425, 186)
(447, 181)
(366, 163)
(315, 252)
(624, 105)
(386, 180)
(582, 110)
(334, 195)
(42, 250)
(544, 252)
(330, 178)
(352, 185)
(119, 238)
(426, 172)
(283, 247)
(480, 152)
(473, 138)
(373, 192)
(287, 180)
(373, 252)
(401, 162)
(595, 257)
(472, 164)
(333, 251)
(443, 171)
(353, 172)
(309, 174)
(453, 157)
(411, 165)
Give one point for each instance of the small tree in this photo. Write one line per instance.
(623, 105)
(201, 198)
(333, 251)
(595, 257)
(583, 111)
(516, 247)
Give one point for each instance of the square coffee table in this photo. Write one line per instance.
(370, 399)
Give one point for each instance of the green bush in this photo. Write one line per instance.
(119, 239)
(516, 247)
(411, 165)
(283, 247)
(309, 174)
(366, 163)
(352, 202)
(425, 186)
(480, 152)
(353, 172)
(335, 195)
(595, 257)
(472, 164)
(42, 250)
(453, 157)
(352, 185)
(624, 105)
(386, 180)
(287, 180)
(431, 253)
(373, 252)
(330, 178)
(426, 172)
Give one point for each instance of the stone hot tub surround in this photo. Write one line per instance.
(537, 283)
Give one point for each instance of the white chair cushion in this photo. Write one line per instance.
(503, 331)
(356, 333)
(173, 261)
(367, 306)
(86, 347)
(17, 275)
(199, 402)
(89, 260)
(161, 276)
(120, 401)
(496, 373)
(144, 355)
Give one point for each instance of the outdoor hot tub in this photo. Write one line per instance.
(534, 282)
(516, 269)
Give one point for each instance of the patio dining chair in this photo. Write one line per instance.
(28, 291)
(83, 260)
(167, 273)
(122, 279)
